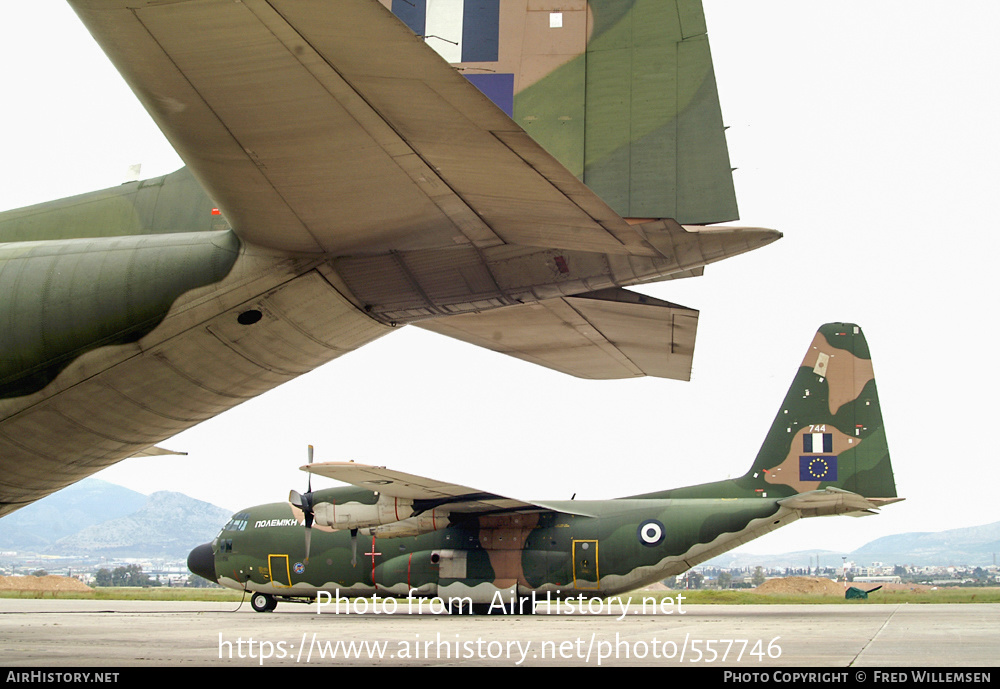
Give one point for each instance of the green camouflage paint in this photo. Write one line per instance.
(62, 298)
(161, 205)
(623, 94)
(101, 269)
(628, 114)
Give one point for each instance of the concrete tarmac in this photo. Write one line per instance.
(108, 634)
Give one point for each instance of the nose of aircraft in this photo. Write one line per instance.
(201, 561)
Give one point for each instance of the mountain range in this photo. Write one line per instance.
(94, 518)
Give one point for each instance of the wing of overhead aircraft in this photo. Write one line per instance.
(344, 179)
(296, 115)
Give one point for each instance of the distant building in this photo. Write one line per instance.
(878, 579)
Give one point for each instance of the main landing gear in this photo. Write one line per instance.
(263, 602)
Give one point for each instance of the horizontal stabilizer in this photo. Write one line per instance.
(820, 503)
(607, 334)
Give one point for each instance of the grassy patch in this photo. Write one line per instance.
(131, 593)
(749, 597)
(697, 597)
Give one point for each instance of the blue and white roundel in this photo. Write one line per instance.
(298, 568)
(651, 533)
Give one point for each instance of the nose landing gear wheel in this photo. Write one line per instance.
(263, 602)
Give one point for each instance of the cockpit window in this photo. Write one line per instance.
(238, 522)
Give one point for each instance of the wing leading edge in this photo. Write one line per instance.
(397, 484)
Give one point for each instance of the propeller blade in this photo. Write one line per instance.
(309, 521)
(310, 455)
(354, 548)
(304, 501)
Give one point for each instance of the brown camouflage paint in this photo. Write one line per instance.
(503, 538)
(845, 373)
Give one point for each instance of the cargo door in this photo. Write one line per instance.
(586, 574)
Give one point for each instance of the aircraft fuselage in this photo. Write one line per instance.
(626, 544)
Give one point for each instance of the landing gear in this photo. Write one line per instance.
(457, 606)
(263, 602)
(484, 609)
(526, 605)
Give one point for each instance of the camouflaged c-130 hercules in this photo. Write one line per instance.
(398, 535)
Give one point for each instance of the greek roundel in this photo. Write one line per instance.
(651, 532)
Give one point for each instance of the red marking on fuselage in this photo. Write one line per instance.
(373, 554)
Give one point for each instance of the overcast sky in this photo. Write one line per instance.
(865, 131)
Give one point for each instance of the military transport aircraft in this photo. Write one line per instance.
(825, 454)
(343, 179)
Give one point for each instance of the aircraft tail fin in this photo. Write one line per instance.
(829, 432)
(621, 92)
(826, 451)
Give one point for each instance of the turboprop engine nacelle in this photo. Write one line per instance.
(354, 515)
(424, 522)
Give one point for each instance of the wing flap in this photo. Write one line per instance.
(607, 334)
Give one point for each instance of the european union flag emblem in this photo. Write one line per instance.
(814, 468)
